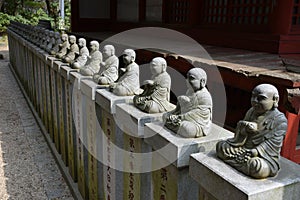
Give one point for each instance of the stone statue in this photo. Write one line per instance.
(81, 60)
(46, 39)
(57, 43)
(156, 95)
(63, 47)
(51, 42)
(255, 148)
(92, 65)
(72, 51)
(129, 82)
(108, 72)
(41, 37)
(192, 116)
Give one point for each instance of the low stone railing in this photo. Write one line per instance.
(111, 149)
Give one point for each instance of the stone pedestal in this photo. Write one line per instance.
(78, 116)
(54, 106)
(133, 120)
(108, 100)
(217, 180)
(178, 148)
(92, 139)
(173, 152)
(137, 163)
(69, 123)
(111, 138)
(61, 110)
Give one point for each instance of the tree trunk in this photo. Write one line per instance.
(48, 7)
(1, 4)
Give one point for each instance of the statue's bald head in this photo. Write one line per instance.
(82, 41)
(130, 52)
(198, 73)
(160, 61)
(95, 43)
(72, 37)
(269, 90)
(110, 48)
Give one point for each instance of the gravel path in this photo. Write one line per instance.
(27, 167)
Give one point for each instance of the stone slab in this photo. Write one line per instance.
(108, 101)
(40, 53)
(132, 120)
(76, 79)
(50, 60)
(224, 182)
(89, 87)
(172, 183)
(179, 148)
(65, 71)
(57, 64)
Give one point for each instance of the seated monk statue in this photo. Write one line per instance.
(108, 72)
(129, 83)
(92, 65)
(255, 148)
(81, 60)
(72, 51)
(63, 47)
(156, 95)
(192, 116)
(51, 41)
(56, 43)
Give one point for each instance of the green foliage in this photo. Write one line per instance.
(5, 20)
(31, 11)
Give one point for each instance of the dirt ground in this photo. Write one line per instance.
(27, 167)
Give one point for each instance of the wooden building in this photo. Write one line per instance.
(261, 25)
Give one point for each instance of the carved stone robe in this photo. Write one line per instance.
(267, 141)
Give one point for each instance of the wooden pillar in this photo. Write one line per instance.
(142, 10)
(281, 16)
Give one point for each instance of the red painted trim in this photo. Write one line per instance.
(278, 36)
(289, 145)
(281, 18)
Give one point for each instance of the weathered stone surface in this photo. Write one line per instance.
(108, 100)
(181, 148)
(132, 120)
(224, 182)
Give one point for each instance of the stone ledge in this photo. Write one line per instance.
(224, 182)
(108, 101)
(158, 136)
(135, 119)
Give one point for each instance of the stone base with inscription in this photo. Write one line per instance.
(173, 153)
(217, 180)
(137, 162)
(115, 181)
(133, 120)
(179, 148)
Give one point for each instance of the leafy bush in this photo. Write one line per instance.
(5, 21)
(31, 11)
